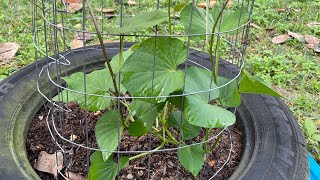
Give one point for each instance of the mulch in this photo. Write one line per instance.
(161, 165)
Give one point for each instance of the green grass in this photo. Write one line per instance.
(292, 68)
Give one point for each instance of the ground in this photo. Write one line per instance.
(292, 68)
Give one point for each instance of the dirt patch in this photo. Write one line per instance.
(162, 165)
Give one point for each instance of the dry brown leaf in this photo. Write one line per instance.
(72, 1)
(212, 163)
(310, 46)
(132, 2)
(73, 7)
(316, 48)
(76, 44)
(74, 176)
(280, 9)
(280, 39)
(50, 163)
(311, 39)
(8, 50)
(105, 10)
(204, 4)
(83, 36)
(299, 37)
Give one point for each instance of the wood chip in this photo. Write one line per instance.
(50, 163)
(83, 36)
(204, 4)
(280, 39)
(8, 50)
(297, 36)
(74, 176)
(73, 7)
(311, 39)
(310, 46)
(105, 10)
(76, 44)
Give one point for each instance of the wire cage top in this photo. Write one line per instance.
(150, 68)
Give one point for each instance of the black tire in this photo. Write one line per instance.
(274, 146)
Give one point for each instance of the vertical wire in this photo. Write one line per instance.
(85, 80)
(119, 92)
(152, 92)
(184, 85)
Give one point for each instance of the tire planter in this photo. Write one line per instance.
(274, 147)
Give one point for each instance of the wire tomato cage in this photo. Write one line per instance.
(68, 35)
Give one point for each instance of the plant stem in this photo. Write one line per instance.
(207, 21)
(103, 47)
(214, 145)
(169, 13)
(216, 64)
(146, 153)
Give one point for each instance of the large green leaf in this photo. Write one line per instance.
(116, 60)
(255, 85)
(97, 82)
(198, 24)
(192, 158)
(152, 68)
(230, 20)
(107, 132)
(197, 110)
(105, 170)
(140, 22)
(178, 120)
(229, 94)
(145, 116)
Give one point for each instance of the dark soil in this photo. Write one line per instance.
(163, 165)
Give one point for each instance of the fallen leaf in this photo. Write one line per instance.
(280, 39)
(311, 39)
(204, 4)
(76, 44)
(73, 7)
(8, 50)
(50, 163)
(299, 37)
(310, 46)
(316, 48)
(132, 2)
(83, 36)
(313, 24)
(72, 1)
(74, 176)
(104, 10)
(255, 26)
(280, 9)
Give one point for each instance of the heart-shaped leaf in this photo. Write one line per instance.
(145, 114)
(229, 94)
(140, 22)
(230, 20)
(107, 132)
(115, 62)
(255, 85)
(151, 70)
(197, 110)
(106, 170)
(95, 84)
(192, 158)
(189, 131)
